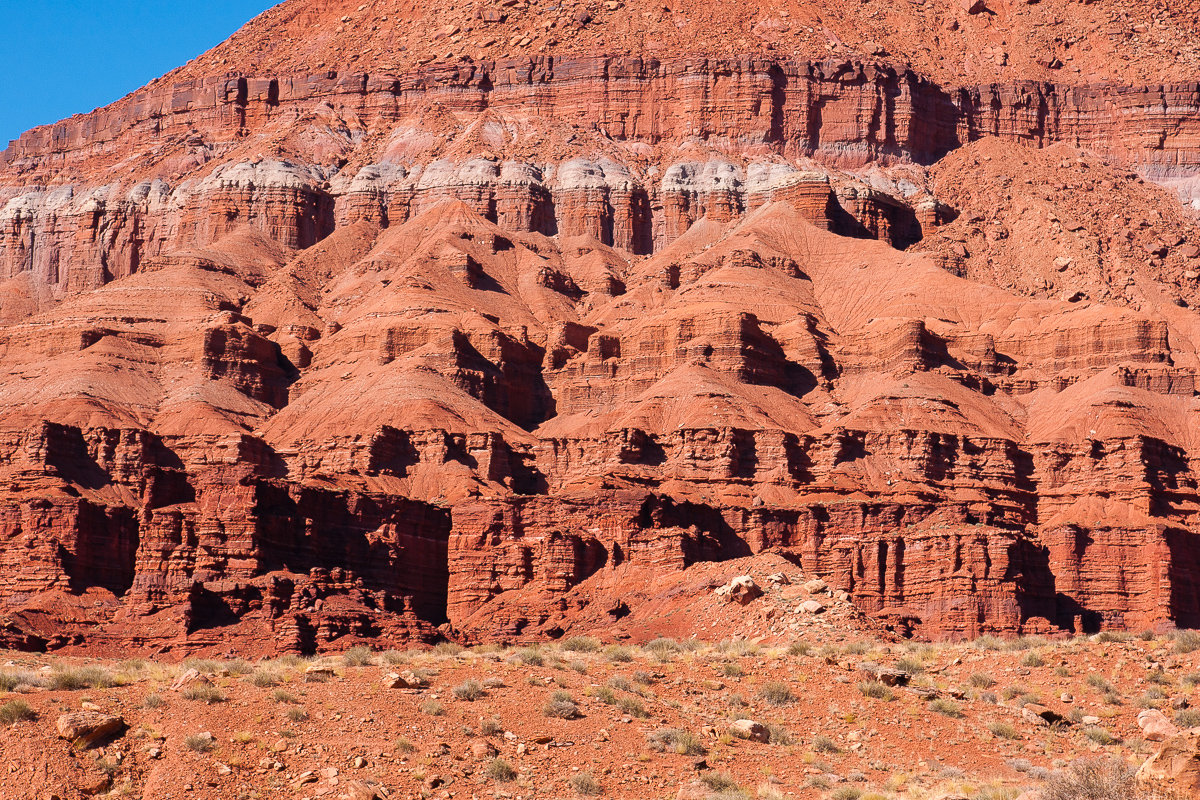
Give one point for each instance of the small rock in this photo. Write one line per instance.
(1062, 263)
(812, 607)
(223, 769)
(1189, 251)
(973, 6)
(1090, 720)
(1040, 715)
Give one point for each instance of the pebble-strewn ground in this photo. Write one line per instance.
(286, 728)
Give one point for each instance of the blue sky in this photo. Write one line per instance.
(64, 57)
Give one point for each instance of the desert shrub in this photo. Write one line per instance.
(632, 706)
(447, 649)
(1032, 659)
(1099, 736)
(738, 646)
(1190, 680)
(846, 793)
(71, 679)
(491, 727)
(1062, 671)
(204, 693)
(605, 695)
(719, 781)
(405, 746)
(1186, 641)
(531, 657)
(239, 667)
(199, 743)
(799, 648)
(357, 657)
(777, 694)
(1159, 678)
(684, 743)
(579, 666)
(1113, 699)
(943, 705)
(981, 680)
(988, 642)
(857, 648)
(1093, 779)
(777, 734)
(875, 689)
(16, 711)
(560, 705)
(642, 678)
(501, 771)
(913, 666)
(431, 707)
(621, 683)
(581, 644)
(203, 665)
(153, 701)
(1113, 636)
(662, 649)
(1003, 730)
(297, 714)
(393, 657)
(583, 783)
(9, 681)
(469, 690)
(284, 696)
(731, 669)
(617, 654)
(1187, 718)
(823, 744)
(1098, 681)
(265, 678)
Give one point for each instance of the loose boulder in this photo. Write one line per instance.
(1155, 726)
(750, 730)
(740, 590)
(1173, 773)
(85, 728)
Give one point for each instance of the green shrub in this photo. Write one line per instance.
(605, 695)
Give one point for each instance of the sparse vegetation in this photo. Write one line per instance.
(1032, 659)
(823, 744)
(265, 678)
(531, 657)
(205, 693)
(584, 784)
(431, 707)
(632, 706)
(777, 694)
(946, 706)
(1093, 779)
(358, 657)
(617, 654)
(16, 711)
(501, 771)
(70, 679)
(1187, 718)
(404, 746)
(1099, 736)
(1003, 730)
(982, 680)
(1186, 641)
(153, 701)
(470, 691)
(284, 696)
(296, 714)
(581, 644)
(561, 705)
(199, 743)
(676, 741)
(875, 689)
(447, 649)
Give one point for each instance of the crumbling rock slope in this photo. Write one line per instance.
(299, 347)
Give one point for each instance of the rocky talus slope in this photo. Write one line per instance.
(335, 334)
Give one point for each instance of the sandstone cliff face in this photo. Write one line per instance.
(464, 350)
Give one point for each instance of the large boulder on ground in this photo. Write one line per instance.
(1173, 773)
(740, 590)
(84, 728)
(1155, 726)
(750, 730)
